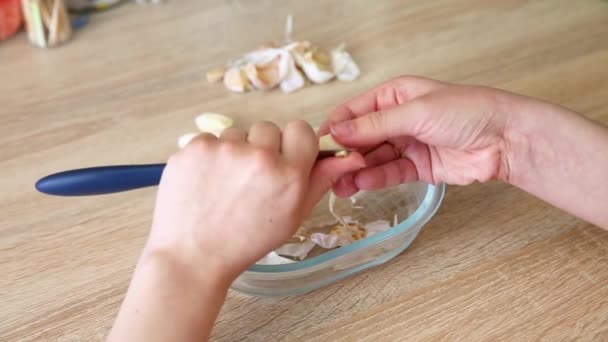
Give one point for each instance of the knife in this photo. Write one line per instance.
(110, 179)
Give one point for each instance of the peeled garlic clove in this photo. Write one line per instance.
(341, 154)
(215, 74)
(235, 79)
(343, 64)
(327, 143)
(213, 123)
(273, 258)
(183, 140)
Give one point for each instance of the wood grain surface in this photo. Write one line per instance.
(493, 264)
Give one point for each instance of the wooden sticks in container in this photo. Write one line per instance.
(47, 22)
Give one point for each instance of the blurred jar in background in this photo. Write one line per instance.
(90, 5)
(10, 18)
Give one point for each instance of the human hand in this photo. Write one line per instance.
(227, 202)
(415, 129)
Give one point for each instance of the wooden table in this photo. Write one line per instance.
(495, 263)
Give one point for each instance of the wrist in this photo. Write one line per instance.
(184, 268)
(532, 140)
(170, 300)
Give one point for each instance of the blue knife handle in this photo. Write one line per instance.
(101, 180)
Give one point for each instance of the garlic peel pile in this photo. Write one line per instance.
(287, 67)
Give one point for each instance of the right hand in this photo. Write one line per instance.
(414, 129)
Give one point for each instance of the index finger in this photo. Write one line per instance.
(384, 96)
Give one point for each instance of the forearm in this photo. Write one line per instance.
(167, 301)
(562, 158)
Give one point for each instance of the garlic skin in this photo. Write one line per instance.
(289, 67)
(273, 258)
(376, 227)
(213, 123)
(343, 64)
(343, 235)
(185, 139)
(298, 250)
(293, 79)
(340, 235)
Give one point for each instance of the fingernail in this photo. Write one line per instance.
(342, 129)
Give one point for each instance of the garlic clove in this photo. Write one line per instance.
(264, 76)
(293, 79)
(259, 57)
(343, 64)
(183, 140)
(215, 74)
(315, 64)
(213, 123)
(235, 79)
(341, 154)
(327, 143)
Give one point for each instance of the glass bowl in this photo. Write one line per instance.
(413, 203)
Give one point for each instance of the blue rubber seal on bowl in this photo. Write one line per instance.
(417, 217)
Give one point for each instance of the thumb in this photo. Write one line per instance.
(328, 171)
(376, 127)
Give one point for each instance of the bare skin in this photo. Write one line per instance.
(224, 203)
(416, 129)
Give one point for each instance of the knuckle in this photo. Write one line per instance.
(298, 125)
(262, 159)
(200, 142)
(229, 148)
(266, 124)
(232, 131)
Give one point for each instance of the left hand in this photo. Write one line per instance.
(226, 202)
